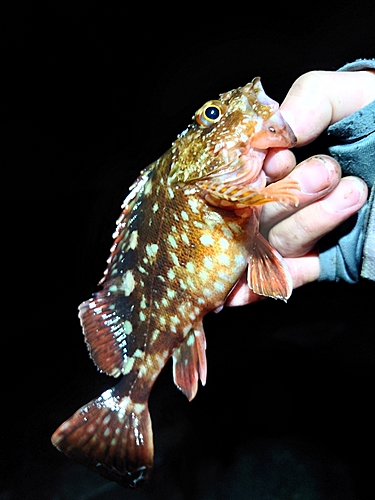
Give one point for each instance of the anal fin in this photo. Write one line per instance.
(267, 273)
(190, 364)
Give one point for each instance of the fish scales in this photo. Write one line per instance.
(188, 231)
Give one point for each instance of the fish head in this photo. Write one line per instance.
(229, 133)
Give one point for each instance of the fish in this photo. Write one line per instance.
(188, 231)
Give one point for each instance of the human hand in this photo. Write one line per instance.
(315, 101)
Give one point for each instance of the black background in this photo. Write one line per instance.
(90, 96)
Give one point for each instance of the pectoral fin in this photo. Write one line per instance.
(243, 195)
(190, 364)
(267, 273)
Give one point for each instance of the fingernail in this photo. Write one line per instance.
(316, 175)
(348, 194)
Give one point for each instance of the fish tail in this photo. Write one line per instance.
(111, 435)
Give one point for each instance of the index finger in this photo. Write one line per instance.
(319, 98)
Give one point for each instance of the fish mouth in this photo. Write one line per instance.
(289, 136)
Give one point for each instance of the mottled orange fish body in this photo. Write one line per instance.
(188, 231)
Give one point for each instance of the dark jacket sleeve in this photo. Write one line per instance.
(349, 252)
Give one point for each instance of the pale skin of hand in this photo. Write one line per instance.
(316, 100)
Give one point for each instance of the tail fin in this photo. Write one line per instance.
(110, 435)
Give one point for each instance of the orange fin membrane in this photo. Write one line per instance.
(189, 363)
(267, 273)
(110, 435)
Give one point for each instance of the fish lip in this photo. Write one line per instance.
(291, 135)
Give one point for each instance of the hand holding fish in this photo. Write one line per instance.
(188, 231)
(315, 101)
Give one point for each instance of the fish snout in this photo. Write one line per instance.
(274, 133)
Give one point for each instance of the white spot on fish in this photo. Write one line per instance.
(128, 282)
(219, 286)
(190, 340)
(139, 407)
(184, 215)
(133, 240)
(236, 228)
(171, 193)
(223, 243)
(224, 276)
(128, 366)
(143, 304)
(172, 241)
(142, 316)
(128, 327)
(165, 302)
(194, 204)
(155, 207)
(155, 335)
(138, 353)
(182, 309)
(171, 293)
(148, 188)
(174, 258)
(203, 275)
(171, 275)
(185, 238)
(152, 249)
(227, 232)
(207, 261)
(190, 283)
(142, 371)
(223, 259)
(240, 260)
(190, 267)
(206, 239)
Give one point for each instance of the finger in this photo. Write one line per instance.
(278, 164)
(320, 98)
(316, 176)
(298, 234)
(304, 269)
(241, 294)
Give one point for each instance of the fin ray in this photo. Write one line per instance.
(249, 196)
(190, 363)
(110, 435)
(267, 273)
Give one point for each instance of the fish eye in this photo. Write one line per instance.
(210, 113)
(272, 130)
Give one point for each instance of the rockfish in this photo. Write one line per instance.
(188, 230)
